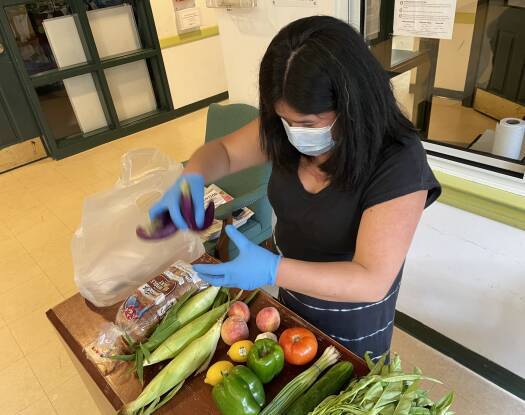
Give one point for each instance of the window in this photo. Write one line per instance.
(93, 68)
(456, 91)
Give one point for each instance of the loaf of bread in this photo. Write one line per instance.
(142, 311)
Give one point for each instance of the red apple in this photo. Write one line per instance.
(240, 309)
(268, 319)
(234, 329)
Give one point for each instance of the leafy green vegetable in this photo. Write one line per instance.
(386, 390)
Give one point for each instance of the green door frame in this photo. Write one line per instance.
(17, 123)
(151, 52)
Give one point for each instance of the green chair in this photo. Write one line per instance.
(248, 187)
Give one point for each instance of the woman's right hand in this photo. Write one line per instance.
(171, 201)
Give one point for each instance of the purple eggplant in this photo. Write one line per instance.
(209, 214)
(186, 206)
(162, 226)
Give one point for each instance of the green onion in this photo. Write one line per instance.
(195, 357)
(297, 386)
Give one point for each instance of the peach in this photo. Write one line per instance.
(268, 319)
(234, 329)
(240, 309)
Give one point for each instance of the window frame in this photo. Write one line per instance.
(151, 53)
(471, 171)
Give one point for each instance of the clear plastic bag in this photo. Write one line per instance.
(109, 260)
(108, 343)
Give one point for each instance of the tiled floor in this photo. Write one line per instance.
(40, 207)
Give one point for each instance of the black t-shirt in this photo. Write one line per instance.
(323, 227)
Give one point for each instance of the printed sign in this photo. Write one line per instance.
(424, 18)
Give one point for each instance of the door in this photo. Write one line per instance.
(506, 40)
(19, 133)
(498, 87)
(92, 69)
(412, 57)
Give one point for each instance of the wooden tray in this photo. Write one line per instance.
(79, 323)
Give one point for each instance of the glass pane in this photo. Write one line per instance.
(100, 4)
(476, 87)
(72, 106)
(403, 86)
(85, 101)
(372, 20)
(26, 24)
(64, 40)
(114, 28)
(58, 110)
(131, 89)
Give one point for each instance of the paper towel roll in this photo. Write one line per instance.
(509, 138)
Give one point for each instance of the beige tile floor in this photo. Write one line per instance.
(40, 207)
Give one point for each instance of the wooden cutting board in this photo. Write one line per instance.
(79, 323)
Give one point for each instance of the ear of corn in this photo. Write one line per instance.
(157, 403)
(197, 327)
(182, 337)
(197, 305)
(192, 308)
(181, 367)
(180, 314)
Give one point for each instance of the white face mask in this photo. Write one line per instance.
(310, 141)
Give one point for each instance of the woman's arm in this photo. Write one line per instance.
(385, 233)
(229, 154)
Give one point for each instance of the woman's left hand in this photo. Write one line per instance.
(252, 268)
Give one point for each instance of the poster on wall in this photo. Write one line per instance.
(424, 18)
(183, 4)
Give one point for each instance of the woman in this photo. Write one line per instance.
(349, 183)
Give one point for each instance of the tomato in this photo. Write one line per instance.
(299, 345)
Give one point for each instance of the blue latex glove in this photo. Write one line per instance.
(253, 267)
(171, 201)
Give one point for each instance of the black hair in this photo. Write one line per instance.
(319, 64)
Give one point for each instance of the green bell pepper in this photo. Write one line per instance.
(266, 359)
(239, 393)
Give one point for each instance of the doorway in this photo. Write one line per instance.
(91, 70)
(20, 141)
(495, 83)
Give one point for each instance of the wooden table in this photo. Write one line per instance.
(79, 323)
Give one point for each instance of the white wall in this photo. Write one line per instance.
(246, 33)
(465, 278)
(195, 70)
